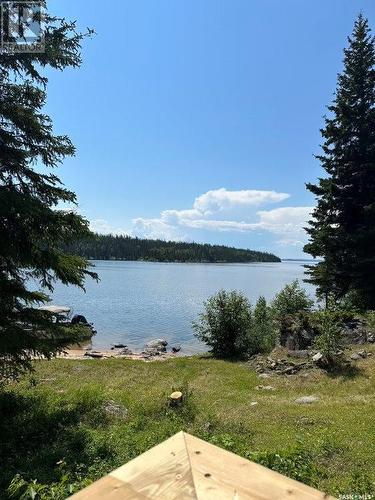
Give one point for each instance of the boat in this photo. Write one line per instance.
(62, 315)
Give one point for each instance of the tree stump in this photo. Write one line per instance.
(175, 399)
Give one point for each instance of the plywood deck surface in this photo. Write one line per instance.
(185, 467)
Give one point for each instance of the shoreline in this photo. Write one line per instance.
(76, 353)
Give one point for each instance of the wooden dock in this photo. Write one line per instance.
(185, 467)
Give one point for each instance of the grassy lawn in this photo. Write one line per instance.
(62, 424)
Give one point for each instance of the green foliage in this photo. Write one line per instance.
(290, 300)
(341, 230)
(232, 329)
(329, 340)
(33, 226)
(225, 325)
(110, 247)
(33, 490)
(298, 463)
(264, 334)
(370, 320)
(58, 432)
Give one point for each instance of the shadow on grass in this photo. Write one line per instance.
(346, 370)
(35, 436)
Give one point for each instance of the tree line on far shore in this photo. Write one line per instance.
(114, 247)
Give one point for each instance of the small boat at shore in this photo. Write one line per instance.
(63, 315)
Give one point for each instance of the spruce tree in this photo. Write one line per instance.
(342, 229)
(33, 221)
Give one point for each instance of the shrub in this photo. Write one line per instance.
(225, 324)
(289, 309)
(263, 334)
(329, 340)
(291, 300)
(232, 330)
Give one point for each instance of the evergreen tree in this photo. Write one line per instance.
(33, 226)
(342, 229)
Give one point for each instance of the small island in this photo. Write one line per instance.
(113, 247)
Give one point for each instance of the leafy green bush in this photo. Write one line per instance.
(291, 300)
(329, 340)
(290, 308)
(263, 332)
(33, 490)
(232, 329)
(225, 324)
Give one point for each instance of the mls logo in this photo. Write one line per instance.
(21, 27)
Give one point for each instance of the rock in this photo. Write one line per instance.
(355, 356)
(152, 352)
(371, 338)
(290, 370)
(159, 345)
(363, 354)
(114, 409)
(176, 348)
(265, 388)
(207, 426)
(317, 357)
(320, 360)
(264, 375)
(302, 353)
(307, 400)
(119, 346)
(93, 354)
(126, 352)
(253, 403)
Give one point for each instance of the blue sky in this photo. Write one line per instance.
(198, 119)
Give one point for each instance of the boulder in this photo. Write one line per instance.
(115, 410)
(317, 357)
(302, 353)
(176, 348)
(158, 344)
(126, 352)
(320, 360)
(355, 356)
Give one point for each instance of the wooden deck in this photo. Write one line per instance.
(185, 467)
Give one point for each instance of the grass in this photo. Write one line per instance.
(57, 427)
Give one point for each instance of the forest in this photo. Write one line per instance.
(111, 247)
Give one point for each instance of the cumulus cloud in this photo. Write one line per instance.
(156, 229)
(223, 211)
(102, 226)
(220, 199)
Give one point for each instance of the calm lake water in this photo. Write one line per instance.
(138, 301)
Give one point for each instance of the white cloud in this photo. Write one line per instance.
(220, 199)
(285, 220)
(102, 226)
(156, 229)
(224, 211)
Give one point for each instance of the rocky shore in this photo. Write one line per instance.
(154, 350)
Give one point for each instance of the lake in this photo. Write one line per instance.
(138, 301)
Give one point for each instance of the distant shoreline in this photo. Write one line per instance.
(111, 247)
